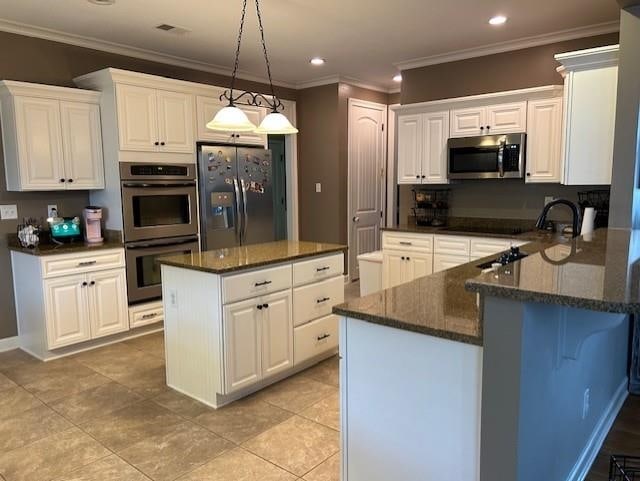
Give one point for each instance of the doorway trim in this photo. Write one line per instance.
(291, 167)
(353, 102)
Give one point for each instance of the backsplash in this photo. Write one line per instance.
(502, 199)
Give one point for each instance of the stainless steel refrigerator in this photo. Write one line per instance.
(236, 196)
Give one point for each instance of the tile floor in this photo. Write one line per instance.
(106, 415)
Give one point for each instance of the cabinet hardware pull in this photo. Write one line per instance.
(84, 284)
(323, 337)
(156, 143)
(408, 258)
(406, 243)
(62, 180)
(70, 180)
(266, 306)
(259, 306)
(92, 283)
(263, 283)
(402, 258)
(325, 268)
(149, 316)
(161, 143)
(324, 299)
(86, 263)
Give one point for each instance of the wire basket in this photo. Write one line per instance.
(624, 468)
(599, 200)
(431, 207)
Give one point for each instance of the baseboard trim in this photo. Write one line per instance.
(9, 343)
(592, 448)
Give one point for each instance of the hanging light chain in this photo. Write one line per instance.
(237, 61)
(264, 49)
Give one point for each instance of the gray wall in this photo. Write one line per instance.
(41, 61)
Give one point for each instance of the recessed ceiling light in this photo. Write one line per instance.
(498, 20)
(317, 61)
(397, 78)
(102, 2)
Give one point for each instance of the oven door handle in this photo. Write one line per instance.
(164, 184)
(147, 245)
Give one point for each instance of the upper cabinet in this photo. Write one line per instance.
(422, 148)
(153, 120)
(490, 119)
(52, 137)
(591, 81)
(208, 107)
(544, 141)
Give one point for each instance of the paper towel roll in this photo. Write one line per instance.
(588, 220)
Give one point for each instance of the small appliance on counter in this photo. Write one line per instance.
(64, 229)
(29, 233)
(92, 224)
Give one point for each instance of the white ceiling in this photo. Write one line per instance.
(361, 39)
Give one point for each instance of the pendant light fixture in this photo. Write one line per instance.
(231, 118)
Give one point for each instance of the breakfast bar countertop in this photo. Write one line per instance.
(233, 259)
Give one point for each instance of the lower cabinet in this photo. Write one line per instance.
(258, 339)
(399, 267)
(85, 306)
(442, 262)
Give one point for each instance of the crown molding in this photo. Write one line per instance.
(10, 26)
(337, 79)
(511, 45)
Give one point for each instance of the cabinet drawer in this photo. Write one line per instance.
(255, 283)
(60, 265)
(442, 262)
(488, 247)
(449, 244)
(316, 300)
(317, 269)
(144, 314)
(407, 242)
(315, 338)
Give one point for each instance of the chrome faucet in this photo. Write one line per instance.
(542, 220)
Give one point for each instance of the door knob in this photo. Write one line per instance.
(356, 219)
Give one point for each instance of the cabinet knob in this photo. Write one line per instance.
(161, 143)
(528, 174)
(92, 283)
(488, 127)
(70, 180)
(84, 284)
(424, 176)
(259, 306)
(266, 306)
(402, 258)
(156, 143)
(481, 128)
(62, 180)
(408, 258)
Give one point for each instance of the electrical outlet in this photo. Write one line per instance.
(586, 403)
(318, 187)
(50, 209)
(549, 198)
(8, 212)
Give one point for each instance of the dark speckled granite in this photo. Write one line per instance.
(472, 227)
(600, 272)
(47, 248)
(234, 259)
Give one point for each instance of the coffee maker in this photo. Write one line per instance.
(92, 224)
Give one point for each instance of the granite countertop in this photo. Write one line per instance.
(473, 227)
(234, 259)
(49, 248)
(437, 305)
(599, 272)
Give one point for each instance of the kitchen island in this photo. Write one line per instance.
(518, 379)
(239, 319)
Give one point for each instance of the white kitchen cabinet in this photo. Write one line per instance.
(66, 305)
(151, 120)
(242, 344)
(504, 118)
(410, 144)
(468, 122)
(277, 333)
(107, 302)
(393, 268)
(66, 311)
(82, 143)
(421, 265)
(442, 262)
(422, 148)
(591, 83)
(544, 140)
(206, 109)
(52, 137)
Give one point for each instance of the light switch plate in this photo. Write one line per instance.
(50, 208)
(318, 187)
(8, 212)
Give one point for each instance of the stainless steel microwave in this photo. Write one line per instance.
(487, 157)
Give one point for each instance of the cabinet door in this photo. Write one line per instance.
(277, 333)
(137, 118)
(255, 115)
(108, 302)
(410, 147)
(392, 268)
(82, 142)
(421, 265)
(544, 140)
(242, 348)
(468, 122)
(507, 118)
(442, 262)
(207, 107)
(436, 134)
(175, 122)
(39, 142)
(67, 312)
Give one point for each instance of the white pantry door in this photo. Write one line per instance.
(367, 174)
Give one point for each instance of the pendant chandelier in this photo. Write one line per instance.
(231, 118)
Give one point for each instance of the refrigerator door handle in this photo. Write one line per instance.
(236, 224)
(246, 215)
